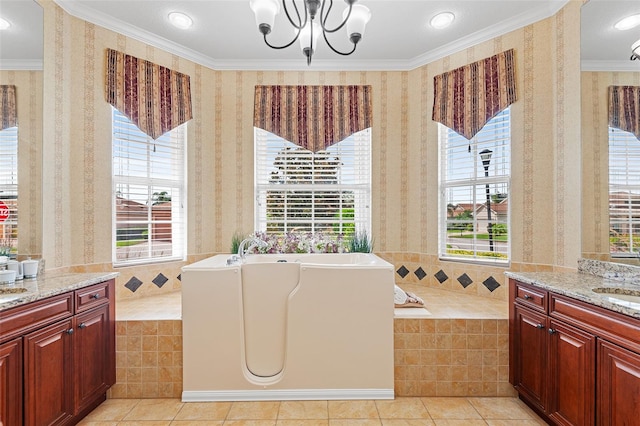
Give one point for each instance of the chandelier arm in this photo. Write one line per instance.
(300, 25)
(285, 45)
(324, 17)
(336, 50)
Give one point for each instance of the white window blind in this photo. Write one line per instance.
(149, 194)
(474, 201)
(297, 190)
(9, 187)
(624, 193)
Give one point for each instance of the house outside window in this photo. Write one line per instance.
(148, 193)
(624, 194)
(326, 192)
(9, 191)
(474, 193)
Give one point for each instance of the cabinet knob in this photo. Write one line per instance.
(82, 325)
(527, 297)
(552, 331)
(539, 326)
(70, 331)
(96, 296)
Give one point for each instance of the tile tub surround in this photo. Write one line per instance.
(456, 347)
(50, 284)
(579, 285)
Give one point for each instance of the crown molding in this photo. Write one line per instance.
(90, 15)
(612, 66)
(21, 64)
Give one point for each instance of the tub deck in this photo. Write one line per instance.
(439, 304)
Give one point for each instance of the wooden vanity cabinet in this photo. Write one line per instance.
(11, 382)
(65, 365)
(573, 363)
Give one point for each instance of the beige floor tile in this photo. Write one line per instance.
(155, 409)
(112, 409)
(353, 410)
(145, 423)
(501, 408)
(407, 422)
(309, 410)
(197, 423)
(250, 423)
(450, 408)
(86, 422)
(519, 422)
(402, 408)
(354, 422)
(459, 422)
(204, 411)
(315, 422)
(254, 410)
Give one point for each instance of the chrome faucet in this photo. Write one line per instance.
(253, 243)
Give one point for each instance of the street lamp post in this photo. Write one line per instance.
(485, 155)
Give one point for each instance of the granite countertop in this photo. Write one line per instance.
(591, 274)
(48, 284)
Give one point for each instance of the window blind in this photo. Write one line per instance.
(9, 186)
(474, 203)
(149, 194)
(300, 191)
(624, 193)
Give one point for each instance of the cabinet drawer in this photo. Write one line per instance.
(90, 297)
(533, 297)
(22, 319)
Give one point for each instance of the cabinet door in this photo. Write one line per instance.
(572, 375)
(11, 382)
(618, 385)
(530, 356)
(48, 375)
(91, 351)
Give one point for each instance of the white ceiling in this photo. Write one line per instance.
(224, 34)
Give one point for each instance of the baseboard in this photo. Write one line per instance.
(286, 395)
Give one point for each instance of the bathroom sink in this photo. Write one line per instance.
(624, 294)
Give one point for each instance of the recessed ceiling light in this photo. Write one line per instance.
(4, 24)
(180, 20)
(628, 22)
(442, 20)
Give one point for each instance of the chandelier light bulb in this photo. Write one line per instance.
(265, 11)
(180, 20)
(635, 50)
(360, 16)
(628, 22)
(442, 20)
(4, 24)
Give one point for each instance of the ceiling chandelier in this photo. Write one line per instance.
(307, 27)
(635, 51)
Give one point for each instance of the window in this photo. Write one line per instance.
(149, 194)
(327, 192)
(474, 196)
(624, 193)
(9, 191)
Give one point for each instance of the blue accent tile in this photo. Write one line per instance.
(441, 276)
(464, 280)
(402, 271)
(491, 284)
(133, 284)
(160, 280)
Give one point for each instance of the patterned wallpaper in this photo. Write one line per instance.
(545, 138)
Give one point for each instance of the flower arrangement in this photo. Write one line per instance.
(300, 242)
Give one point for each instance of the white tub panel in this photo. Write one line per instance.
(265, 292)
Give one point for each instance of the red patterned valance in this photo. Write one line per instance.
(154, 98)
(624, 108)
(468, 97)
(8, 110)
(313, 117)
